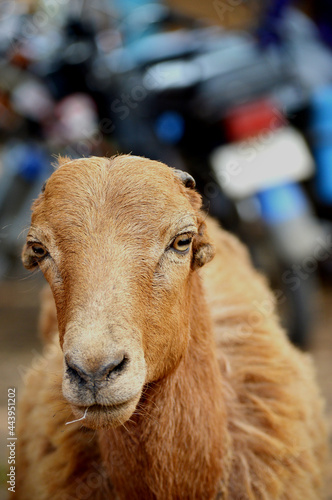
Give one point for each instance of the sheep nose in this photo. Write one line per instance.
(80, 374)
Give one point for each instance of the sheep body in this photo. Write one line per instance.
(239, 418)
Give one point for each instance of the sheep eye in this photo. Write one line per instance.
(39, 251)
(182, 243)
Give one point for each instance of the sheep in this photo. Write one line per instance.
(175, 382)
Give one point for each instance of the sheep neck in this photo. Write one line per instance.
(173, 444)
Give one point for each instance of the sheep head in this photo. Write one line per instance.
(118, 241)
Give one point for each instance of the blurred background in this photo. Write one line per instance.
(236, 92)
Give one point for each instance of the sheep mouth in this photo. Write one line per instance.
(100, 416)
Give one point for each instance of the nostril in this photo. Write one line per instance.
(115, 366)
(75, 372)
(104, 372)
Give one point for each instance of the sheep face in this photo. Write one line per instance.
(118, 241)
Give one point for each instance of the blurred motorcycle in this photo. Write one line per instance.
(221, 105)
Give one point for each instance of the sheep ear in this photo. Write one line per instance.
(187, 180)
(203, 250)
